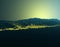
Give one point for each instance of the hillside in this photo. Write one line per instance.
(29, 23)
(37, 21)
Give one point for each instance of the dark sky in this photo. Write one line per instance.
(7, 8)
(22, 9)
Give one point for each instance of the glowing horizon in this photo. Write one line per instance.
(36, 10)
(24, 9)
(40, 9)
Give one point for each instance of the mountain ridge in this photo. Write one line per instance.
(38, 21)
(26, 22)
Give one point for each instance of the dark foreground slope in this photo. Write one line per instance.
(47, 37)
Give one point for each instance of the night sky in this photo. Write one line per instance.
(24, 9)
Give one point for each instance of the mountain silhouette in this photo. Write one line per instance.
(26, 22)
(38, 21)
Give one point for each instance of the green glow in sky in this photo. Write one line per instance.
(24, 9)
